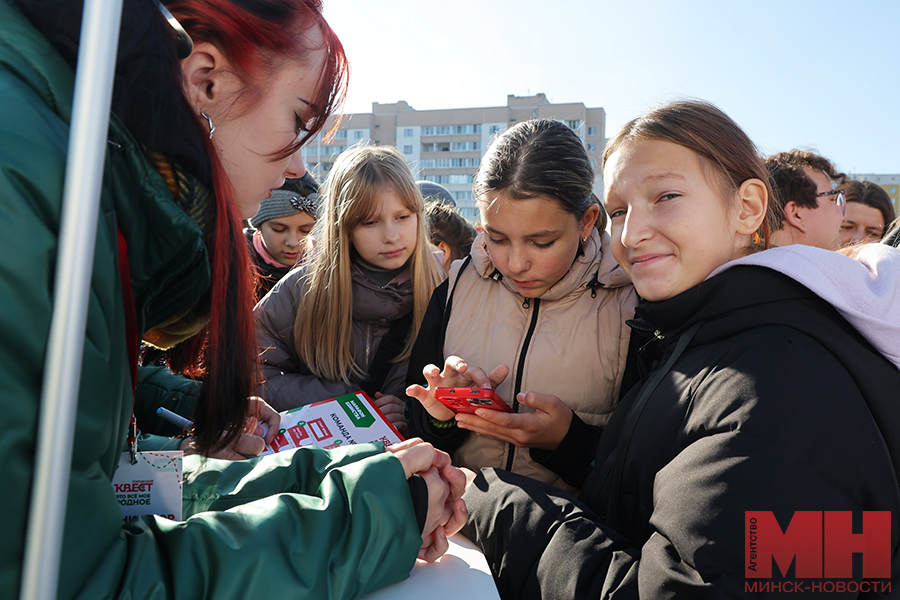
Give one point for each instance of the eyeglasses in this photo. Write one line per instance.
(840, 198)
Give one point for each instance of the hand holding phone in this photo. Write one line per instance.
(468, 400)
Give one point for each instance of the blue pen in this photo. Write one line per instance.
(177, 420)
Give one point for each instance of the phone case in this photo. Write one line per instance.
(467, 400)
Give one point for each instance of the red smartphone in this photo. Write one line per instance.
(466, 400)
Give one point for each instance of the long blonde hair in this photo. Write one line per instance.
(323, 326)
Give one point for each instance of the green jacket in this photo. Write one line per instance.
(342, 524)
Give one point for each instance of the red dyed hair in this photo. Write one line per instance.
(256, 36)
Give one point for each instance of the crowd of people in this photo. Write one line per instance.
(719, 334)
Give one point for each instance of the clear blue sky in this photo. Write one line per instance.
(822, 75)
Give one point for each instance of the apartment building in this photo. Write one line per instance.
(890, 184)
(445, 146)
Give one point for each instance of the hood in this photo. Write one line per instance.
(742, 296)
(594, 266)
(864, 289)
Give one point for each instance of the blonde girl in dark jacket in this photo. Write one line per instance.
(323, 329)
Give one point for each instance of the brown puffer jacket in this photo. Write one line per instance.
(288, 383)
(571, 342)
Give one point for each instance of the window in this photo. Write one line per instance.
(494, 129)
(407, 149)
(462, 196)
(450, 179)
(465, 146)
(592, 131)
(408, 132)
(340, 134)
(451, 129)
(592, 147)
(448, 163)
(357, 135)
(471, 213)
(573, 124)
(894, 189)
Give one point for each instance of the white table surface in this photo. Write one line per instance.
(462, 572)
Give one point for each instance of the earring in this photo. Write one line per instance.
(755, 240)
(584, 239)
(212, 127)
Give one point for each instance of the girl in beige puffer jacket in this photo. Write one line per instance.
(538, 308)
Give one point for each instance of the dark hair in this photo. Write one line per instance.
(302, 186)
(873, 195)
(805, 158)
(539, 157)
(448, 226)
(702, 127)
(790, 183)
(148, 98)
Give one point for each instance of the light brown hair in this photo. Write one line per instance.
(324, 323)
(702, 127)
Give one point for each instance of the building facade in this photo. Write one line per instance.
(445, 146)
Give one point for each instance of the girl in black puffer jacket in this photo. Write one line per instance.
(768, 398)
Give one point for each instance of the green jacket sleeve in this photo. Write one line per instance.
(157, 386)
(305, 524)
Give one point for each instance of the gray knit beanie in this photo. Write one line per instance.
(433, 192)
(284, 203)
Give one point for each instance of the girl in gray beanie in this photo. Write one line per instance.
(278, 230)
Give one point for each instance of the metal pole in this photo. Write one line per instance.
(75, 257)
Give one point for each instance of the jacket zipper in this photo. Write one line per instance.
(521, 365)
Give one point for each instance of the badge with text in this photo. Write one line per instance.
(152, 486)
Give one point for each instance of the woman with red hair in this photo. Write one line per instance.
(209, 111)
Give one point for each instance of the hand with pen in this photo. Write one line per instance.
(260, 429)
(446, 512)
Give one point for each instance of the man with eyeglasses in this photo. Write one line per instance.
(811, 208)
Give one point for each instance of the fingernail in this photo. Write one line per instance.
(520, 396)
(487, 385)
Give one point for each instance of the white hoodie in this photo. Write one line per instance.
(865, 289)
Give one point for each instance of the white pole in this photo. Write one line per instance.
(75, 257)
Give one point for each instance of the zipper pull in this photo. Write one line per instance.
(526, 304)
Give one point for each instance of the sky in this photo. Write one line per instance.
(820, 75)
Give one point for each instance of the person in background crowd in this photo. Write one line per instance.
(811, 209)
(767, 397)
(869, 212)
(538, 308)
(347, 319)
(277, 232)
(449, 232)
(206, 120)
(892, 237)
(435, 192)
